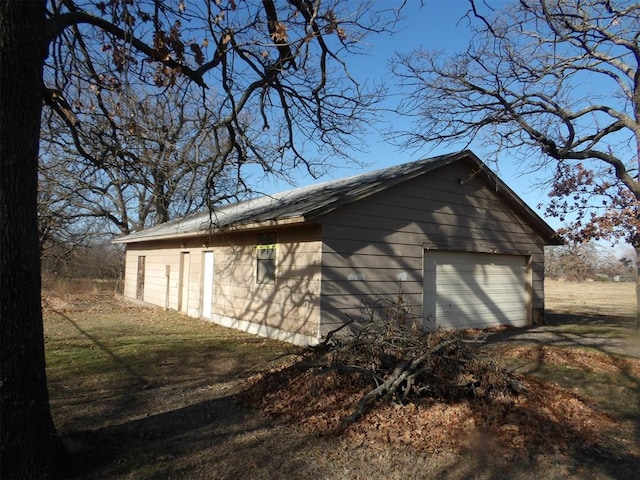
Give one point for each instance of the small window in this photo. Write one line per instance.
(266, 258)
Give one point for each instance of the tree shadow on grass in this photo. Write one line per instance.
(609, 335)
(211, 439)
(216, 438)
(616, 386)
(219, 439)
(120, 362)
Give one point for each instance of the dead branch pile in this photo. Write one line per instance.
(403, 362)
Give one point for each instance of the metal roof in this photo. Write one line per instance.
(305, 203)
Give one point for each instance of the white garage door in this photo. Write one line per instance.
(474, 290)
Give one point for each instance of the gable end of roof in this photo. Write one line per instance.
(312, 202)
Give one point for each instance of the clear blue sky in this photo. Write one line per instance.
(437, 25)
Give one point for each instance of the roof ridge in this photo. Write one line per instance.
(302, 204)
(416, 164)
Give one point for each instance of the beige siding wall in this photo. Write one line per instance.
(290, 305)
(158, 256)
(374, 248)
(130, 273)
(292, 302)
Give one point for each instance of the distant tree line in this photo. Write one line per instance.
(588, 261)
(94, 261)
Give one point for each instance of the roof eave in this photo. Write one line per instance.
(542, 228)
(257, 225)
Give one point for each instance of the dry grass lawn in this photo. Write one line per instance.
(141, 393)
(591, 298)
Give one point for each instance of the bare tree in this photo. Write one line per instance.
(557, 85)
(156, 160)
(284, 61)
(577, 262)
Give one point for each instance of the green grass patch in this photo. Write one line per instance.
(591, 330)
(106, 366)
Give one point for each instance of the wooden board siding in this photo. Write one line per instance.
(374, 248)
(290, 305)
(156, 261)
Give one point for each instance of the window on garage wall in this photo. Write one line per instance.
(266, 258)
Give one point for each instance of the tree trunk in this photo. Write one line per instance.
(30, 447)
(637, 248)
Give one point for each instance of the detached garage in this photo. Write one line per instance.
(444, 233)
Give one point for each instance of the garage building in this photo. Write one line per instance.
(444, 234)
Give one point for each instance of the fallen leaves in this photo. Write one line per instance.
(546, 418)
(579, 358)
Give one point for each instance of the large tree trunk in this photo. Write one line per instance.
(637, 248)
(30, 447)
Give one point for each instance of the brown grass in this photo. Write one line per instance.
(617, 299)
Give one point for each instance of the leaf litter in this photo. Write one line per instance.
(543, 418)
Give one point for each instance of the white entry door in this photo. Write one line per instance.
(474, 290)
(207, 287)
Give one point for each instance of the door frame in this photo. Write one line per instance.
(183, 283)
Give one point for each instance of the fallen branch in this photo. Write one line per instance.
(403, 362)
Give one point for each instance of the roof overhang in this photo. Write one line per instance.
(262, 225)
(539, 225)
